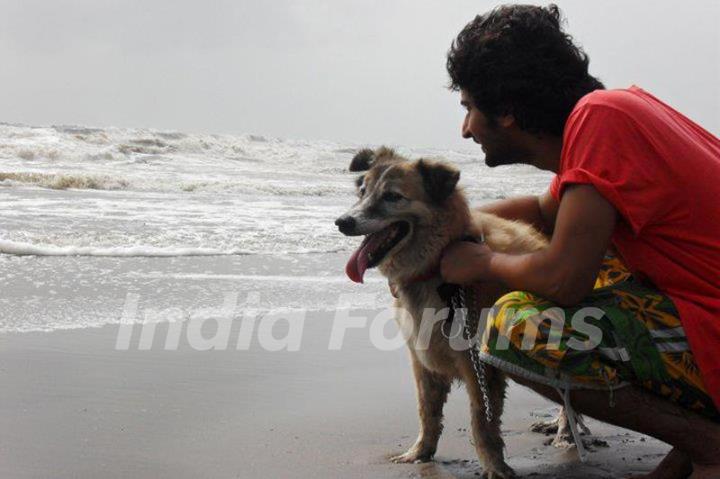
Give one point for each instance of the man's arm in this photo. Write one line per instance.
(565, 272)
(539, 211)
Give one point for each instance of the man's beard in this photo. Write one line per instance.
(502, 156)
(498, 160)
(499, 149)
(504, 151)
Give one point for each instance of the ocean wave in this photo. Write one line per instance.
(77, 130)
(29, 249)
(171, 135)
(16, 248)
(62, 181)
(146, 146)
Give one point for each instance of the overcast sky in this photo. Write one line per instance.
(365, 71)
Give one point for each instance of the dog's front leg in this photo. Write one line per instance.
(487, 438)
(432, 391)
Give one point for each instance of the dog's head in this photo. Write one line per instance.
(408, 212)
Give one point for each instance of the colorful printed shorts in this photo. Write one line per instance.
(623, 333)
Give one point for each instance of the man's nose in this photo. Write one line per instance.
(464, 130)
(346, 224)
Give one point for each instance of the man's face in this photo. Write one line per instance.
(494, 136)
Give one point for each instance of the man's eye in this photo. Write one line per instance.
(391, 196)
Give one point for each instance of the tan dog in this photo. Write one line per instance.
(409, 211)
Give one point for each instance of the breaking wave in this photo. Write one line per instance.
(16, 248)
(28, 249)
(63, 181)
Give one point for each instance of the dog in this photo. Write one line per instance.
(409, 211)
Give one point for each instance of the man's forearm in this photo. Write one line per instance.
(522, 208)
(540, 274)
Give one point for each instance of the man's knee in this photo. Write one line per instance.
(513, 319)
(504, 311)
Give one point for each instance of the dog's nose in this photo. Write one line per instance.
(346, 224)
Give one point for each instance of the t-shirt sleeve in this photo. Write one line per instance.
(604, 147)
(555, 188)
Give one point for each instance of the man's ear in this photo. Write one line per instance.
(439, 179)
(506, 121)
(363, 160)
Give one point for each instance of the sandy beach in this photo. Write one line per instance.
(73, 406)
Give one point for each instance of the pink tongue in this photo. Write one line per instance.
(357, 264)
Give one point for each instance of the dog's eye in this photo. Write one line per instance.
(391, 196)
(362, 191)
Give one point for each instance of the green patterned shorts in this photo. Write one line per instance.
(623, 333)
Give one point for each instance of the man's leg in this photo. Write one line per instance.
(639, 339)
(695, 439)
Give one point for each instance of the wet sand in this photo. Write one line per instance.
(71, 406)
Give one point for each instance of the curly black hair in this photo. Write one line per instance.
(516, 59)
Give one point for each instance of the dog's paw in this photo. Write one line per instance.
(502, 471)
(413, 455)
(545, 427)
(566, 441)
(563, 440)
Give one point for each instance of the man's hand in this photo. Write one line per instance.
(465, 262)
(564, 272)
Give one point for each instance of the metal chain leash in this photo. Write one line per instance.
(468, 313)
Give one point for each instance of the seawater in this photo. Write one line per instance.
(71, 196)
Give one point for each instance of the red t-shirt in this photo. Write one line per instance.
(661, 172)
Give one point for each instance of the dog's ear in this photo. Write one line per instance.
(439, 179)
(363, 160)
(387, 155)
(367, 158)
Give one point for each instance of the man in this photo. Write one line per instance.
(631, 173)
